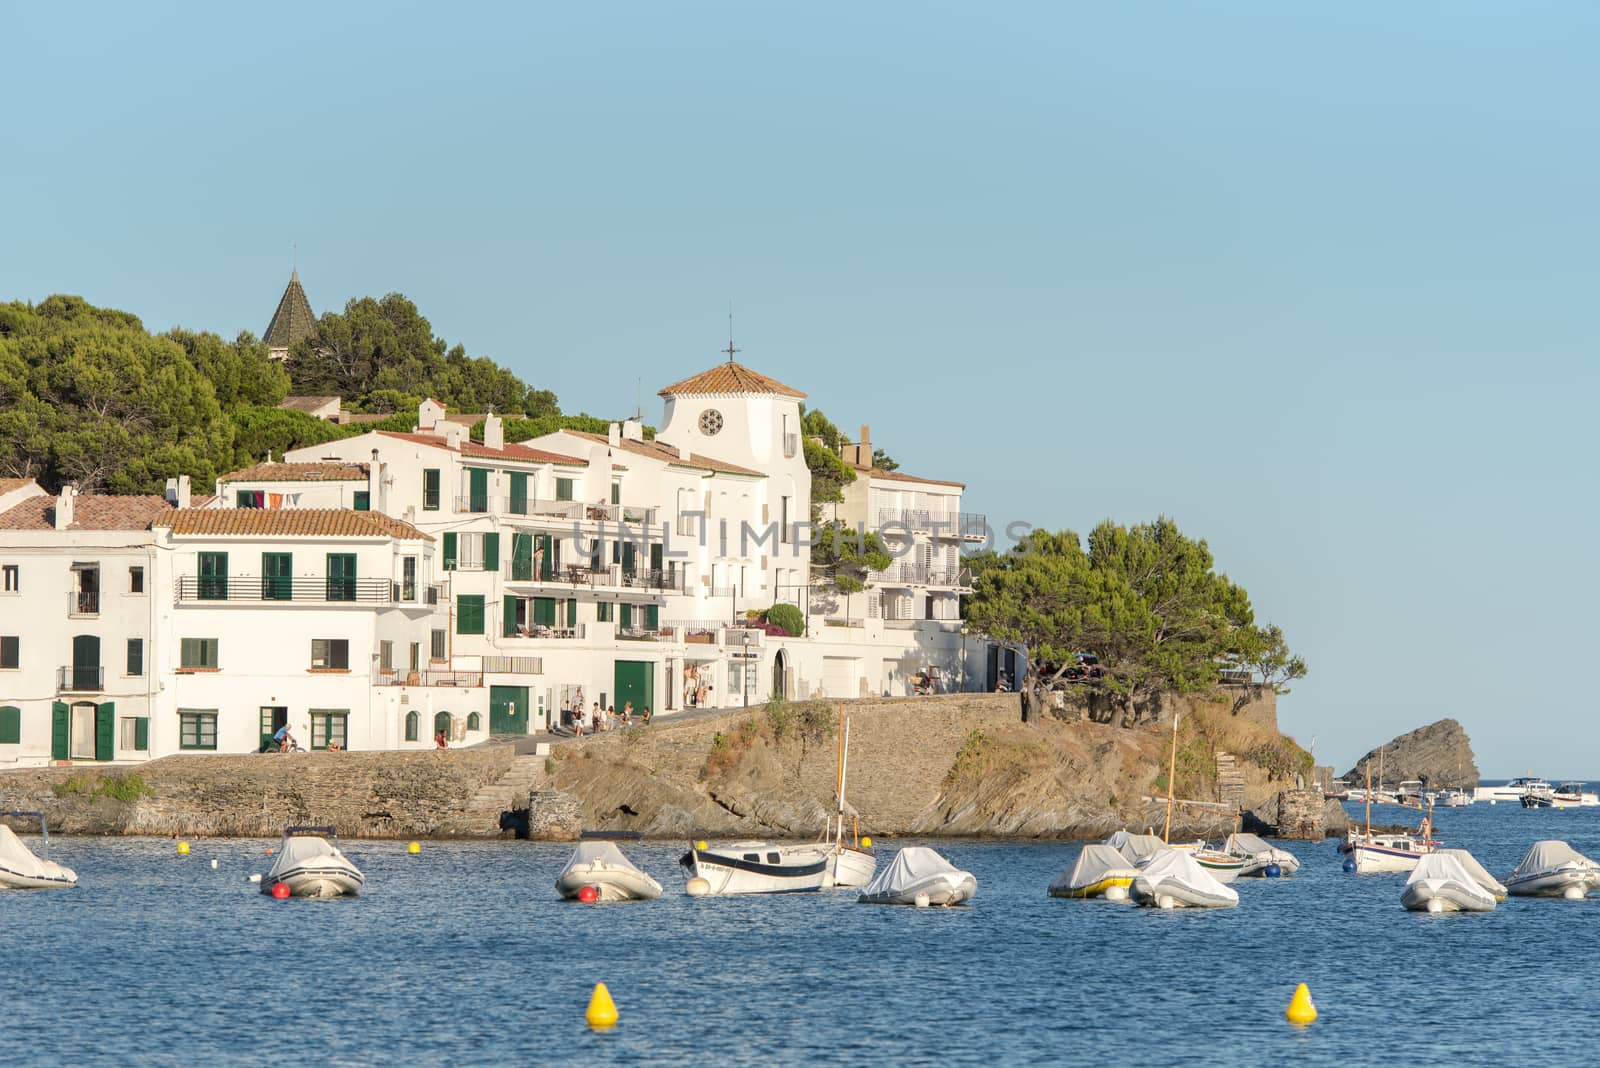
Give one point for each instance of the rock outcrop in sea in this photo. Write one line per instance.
(1439, 754)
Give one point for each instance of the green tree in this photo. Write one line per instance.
(789, 617)
(259, 431)
(241, 373)
(829, 476)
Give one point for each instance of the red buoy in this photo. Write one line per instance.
(588, 895)
(280, 890)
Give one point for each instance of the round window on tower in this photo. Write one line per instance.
(710, 422)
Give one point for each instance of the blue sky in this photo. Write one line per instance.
(1317, 283)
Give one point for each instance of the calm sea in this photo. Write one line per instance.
(463, 955)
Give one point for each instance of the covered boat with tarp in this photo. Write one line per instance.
(1259, 854)
(1553, 869)
(613, 876)
(919, 876)
(1441, 883)
(1479, 873)
(20, 869)
(1099, 871)
(311, 865)
(1136, 848)
(1175, 880)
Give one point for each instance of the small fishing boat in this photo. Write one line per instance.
(602, 866)
(1387, 852)
(1409, 794)
(1572, 795)
(1174, 880)
(851, 861)
(756, 867)
(310, 865)
(1222, 865)
(1258, 855)
(20, 869)
(1553, 869)
(1454, 798)
(1100, 871)
(1440, 883)
(919, 876)
(1538, 795)
(1479, 873)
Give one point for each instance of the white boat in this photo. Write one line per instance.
(20, 869)
(1553, 869)
(1440, 883)
(757, 867)
(1100, 871)
(1258, 854)
(919, 876)
(1454, 798)
(1513, 790)
(310, 865)
(1573, 795)
(1387, 852)
(851, 861)
(1409, 794)
(1136, 849)
(1478, 872)
(1174, 880)
(602, 866)
(1220, 864)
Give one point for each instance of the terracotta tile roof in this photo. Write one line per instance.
(478, 449)
(730, 377)
(901, 476)
(88, 513)
(306, 404)
(9, 484)
(660, 450)
(322, 471)
(289, 522)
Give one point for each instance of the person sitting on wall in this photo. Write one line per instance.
(644, 717)
(627, 713)
(440, 741)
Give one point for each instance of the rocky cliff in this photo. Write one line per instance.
(1439, 754)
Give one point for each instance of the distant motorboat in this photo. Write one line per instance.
(1513, 790)
(757, 867)
(1571, 794)
(920, 876)
(1258, 854)
(1409, 794)
(1454, 798)
(603, 866)
(1175, 880)
(1100, 871)
(310, 865)
(1440, 883)
(1553, 869)
(20, 869)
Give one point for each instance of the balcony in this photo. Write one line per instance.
(428, 678)
(513, 665)
(407, 593)
(580, 575)
(473, 504)
(908, 574)
(656, 579)
(541, 631)
(83, 603)
(791, 446)
(967, 526)
(253, 589)
(81, 678)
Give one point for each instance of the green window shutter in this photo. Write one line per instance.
(430, 490)
(60, 728)
(363, 501)
(141, 734)
(135, 656)
(519, 493)
(544, 611)
(563, 489)
(602, 612)
(521, 557)
(412, 723)
(655, 556)
(213, 576)
(652, 616)
(627, 616)
(105, 731)
(10, 725)
(477, 489)
(491, 551)
(449, 551)
(572, 611)
(508, 617)
(341, 576)
(547, 561)
(277, 582)
(616, 493)
(469, 614)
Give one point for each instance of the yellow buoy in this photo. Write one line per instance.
(866, 843)
(183, 849)
(700, 845)
(414, 848)
(1300, 1010)
(602, 1010)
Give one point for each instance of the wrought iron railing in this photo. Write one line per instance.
(267, 590)
(83, 603)
(514, 665)
(81, 678)
(428, 678)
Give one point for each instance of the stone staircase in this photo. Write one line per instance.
(482, 813)
(1230, 782)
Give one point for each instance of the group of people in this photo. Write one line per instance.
(597, 720)
(698, 690)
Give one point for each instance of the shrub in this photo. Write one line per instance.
(128, 787)
(789, 618)
(77, 784)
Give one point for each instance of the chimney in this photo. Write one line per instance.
(454, 433)
(183, 491)
(494, 432)
(632, 430)
(69, 493)
(269, 456)
(864, 448)
(172, 491)
(374, 483)
(614, 435)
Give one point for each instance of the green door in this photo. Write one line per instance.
(477, 490)
(213, 576)
(521, 557)
(60, 727)
(276, 569)
(341, 576)
(544, 611)
(105, 731)
(508, 710)
(85, 663)
(519, 493)
(635, 682)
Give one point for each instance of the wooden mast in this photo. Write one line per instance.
(1369, 800)
(1172, 772)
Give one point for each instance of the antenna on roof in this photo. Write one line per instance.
(638, 398)
(730, 350)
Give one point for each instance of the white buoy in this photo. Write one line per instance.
(1573, 893)
(697, 887)
(1435, 905)
(921, 901)
(213, 865)
(1164, 902)
(256, 878)
(1116, 893)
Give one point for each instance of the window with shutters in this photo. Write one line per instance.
(386, 655)
(198, 654)
(469, 552)
(135, 656)
(11, 578)
(413, 725)
(330, 654)
(430, 489)
(10, 652)
(469, 614)
(135, 580)
(603, 611)
(563, 489)
(135, 732)
(10, 725)
(439, 644)
(329, 728)
(197, 729)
